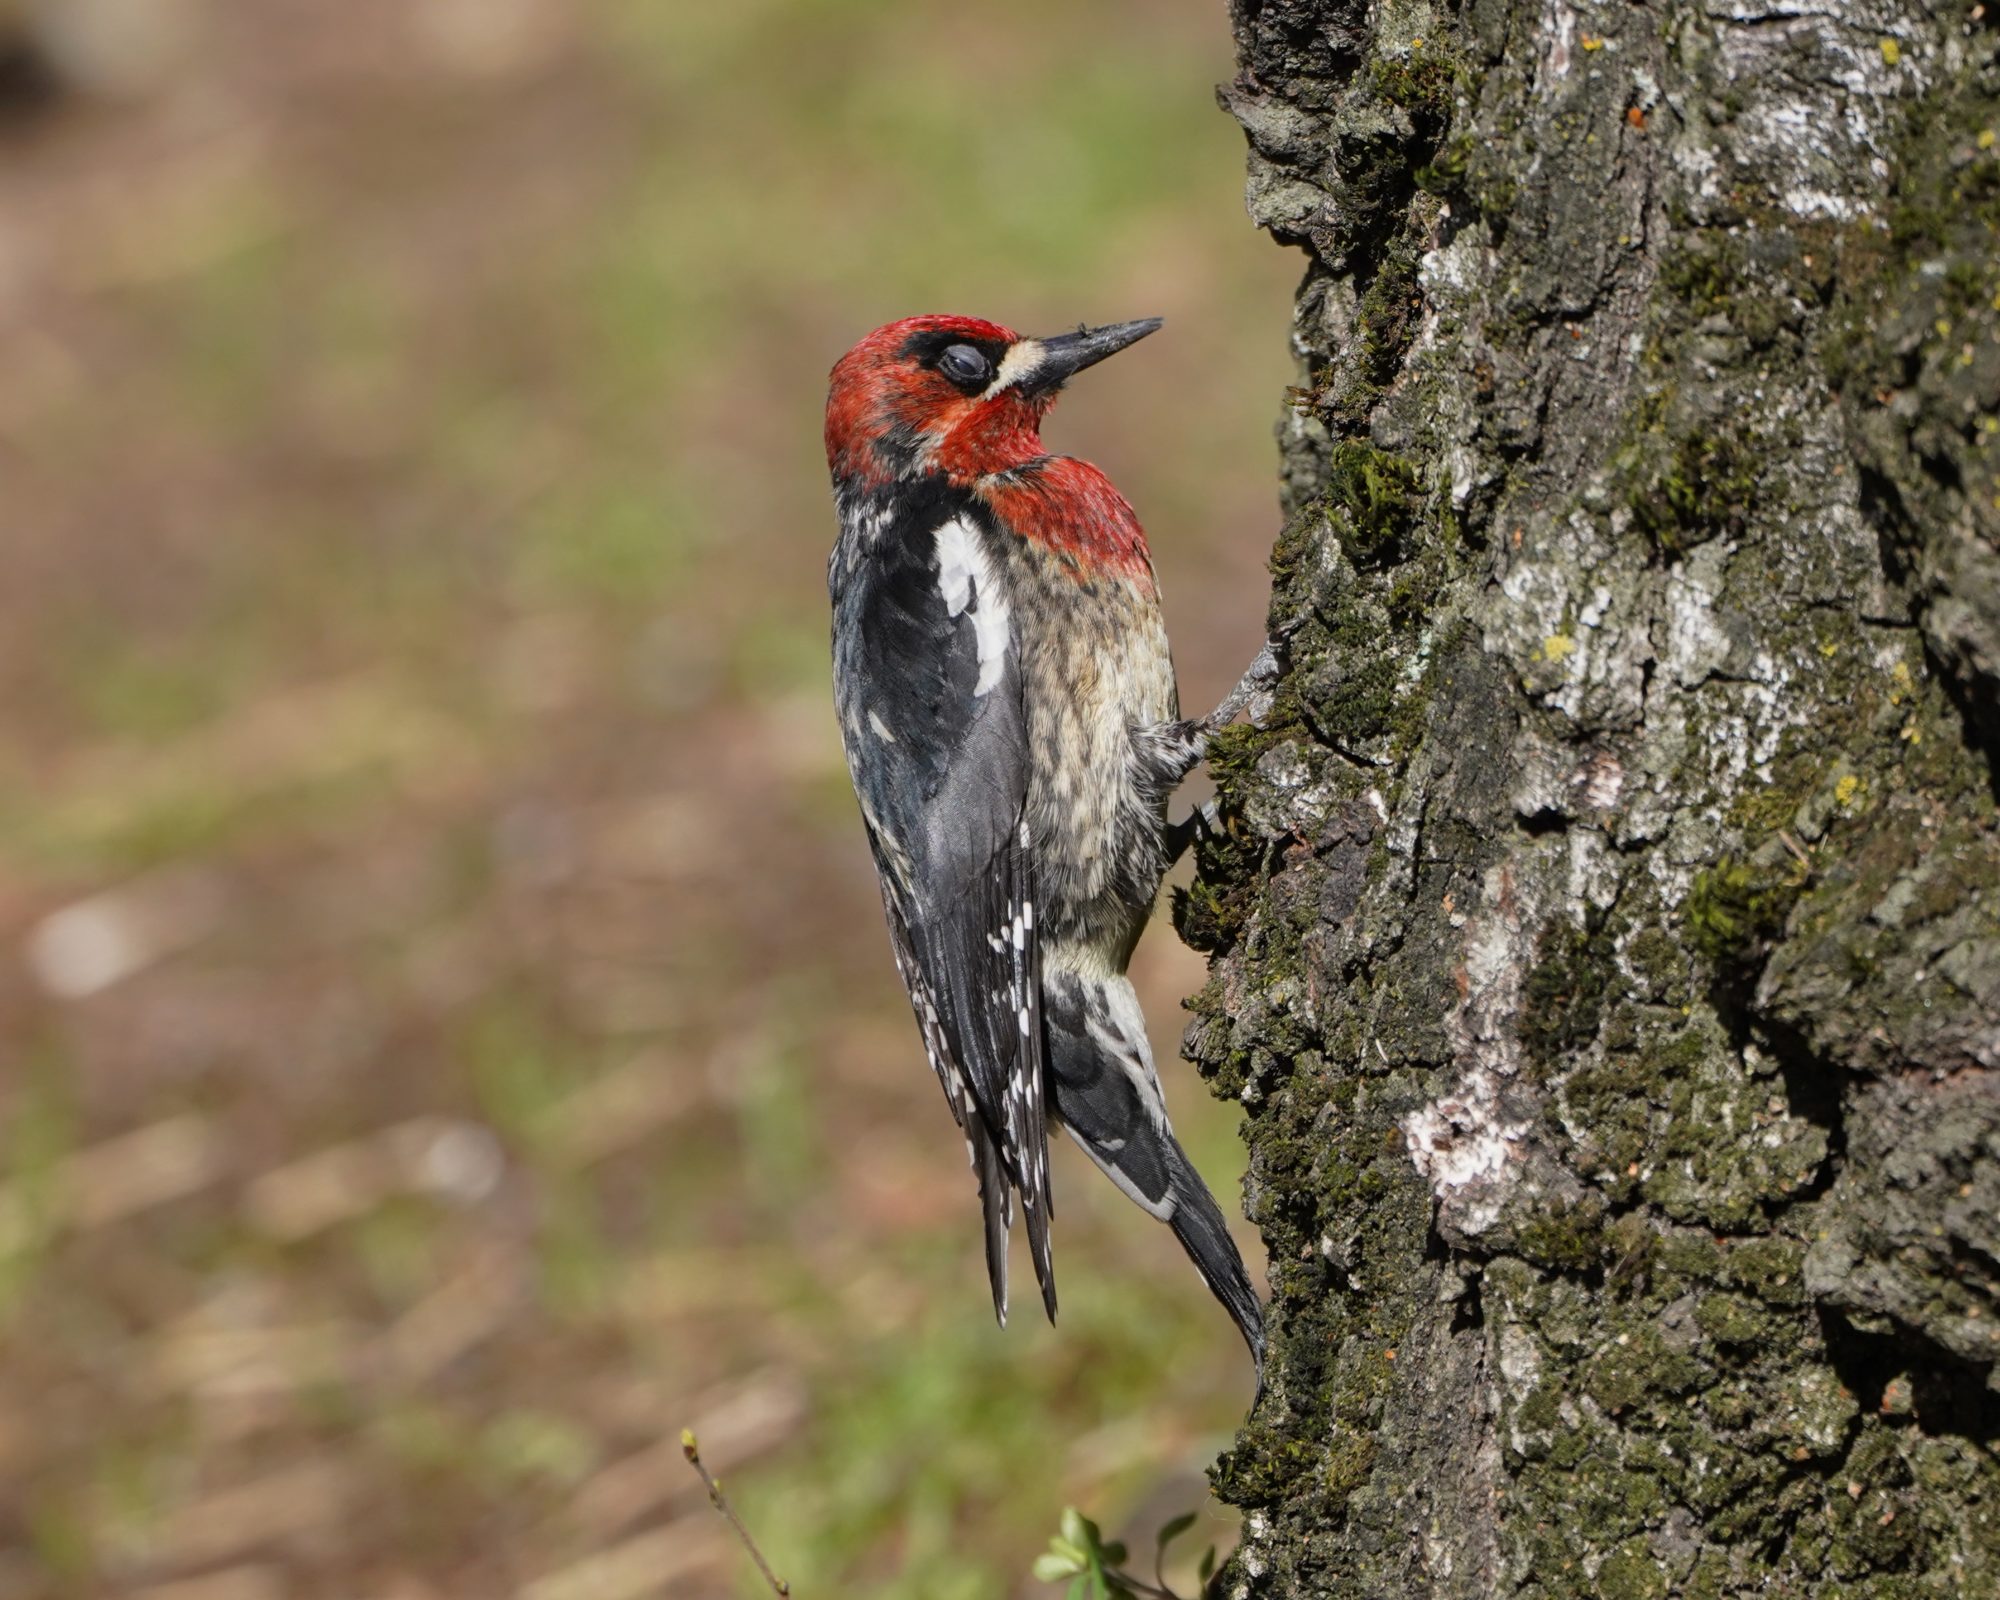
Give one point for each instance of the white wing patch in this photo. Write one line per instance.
(965, 579)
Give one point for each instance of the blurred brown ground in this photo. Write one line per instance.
(447, 1038)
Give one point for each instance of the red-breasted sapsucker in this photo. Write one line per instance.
(1008, 708)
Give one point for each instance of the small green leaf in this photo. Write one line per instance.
(1113, 1553)
(1053, 1565)
(1173, 1530)
(1074, 1524)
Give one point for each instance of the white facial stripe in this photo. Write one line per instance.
(965, 580)
(1022, 357)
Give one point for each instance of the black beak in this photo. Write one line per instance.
(1067, 354)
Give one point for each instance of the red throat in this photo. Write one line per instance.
(1071, 510)
(989, 436)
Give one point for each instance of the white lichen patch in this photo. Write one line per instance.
(1462, 1145)
(1466, 1144)
(1594, 873)
(1538, 593)
(1520, 1361)
(1465, 266)
(1697, 645)
(1301, 797)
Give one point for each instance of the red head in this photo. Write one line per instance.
(952, 394)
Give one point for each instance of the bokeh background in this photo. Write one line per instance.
(447, 1037)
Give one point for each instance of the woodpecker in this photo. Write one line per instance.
(1008, 708)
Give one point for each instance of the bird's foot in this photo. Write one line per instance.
(1179, 747)
(1252, 693)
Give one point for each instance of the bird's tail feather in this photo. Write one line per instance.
(1198, 1223)
(1035, 1213)
(996, 1197)
(1107, 1094)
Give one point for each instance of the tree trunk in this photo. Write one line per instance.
(1606, 930)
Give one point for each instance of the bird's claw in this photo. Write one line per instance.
(1253, 692)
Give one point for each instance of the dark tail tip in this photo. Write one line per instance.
(1199, 1225)
(1035, 1217)
(993, 1202)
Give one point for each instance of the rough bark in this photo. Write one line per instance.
(1606, 933)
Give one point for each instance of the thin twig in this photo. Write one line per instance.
(693, 1453)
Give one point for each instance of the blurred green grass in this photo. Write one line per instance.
(413, 664)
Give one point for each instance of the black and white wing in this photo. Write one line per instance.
(927, 682)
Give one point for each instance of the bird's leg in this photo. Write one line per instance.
(1197, 824)
(1184, 744)
(1252, 692)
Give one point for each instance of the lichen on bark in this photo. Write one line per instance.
(1606, 927)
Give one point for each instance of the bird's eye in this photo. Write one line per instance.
(965, 366)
